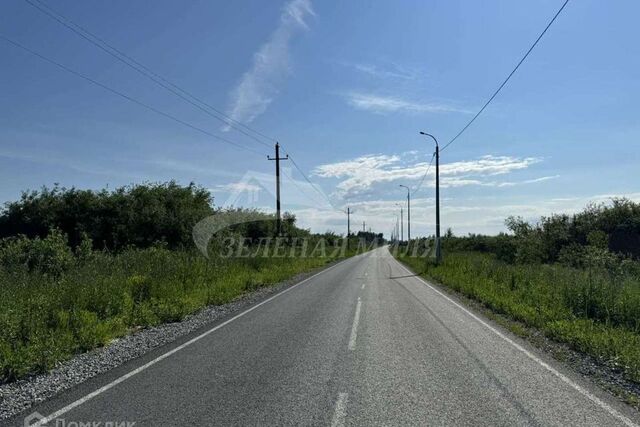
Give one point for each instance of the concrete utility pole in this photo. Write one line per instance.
(401, 225)
(363, 228)
(408, 213)
(437, 155)
(401, 221)
(277, 158)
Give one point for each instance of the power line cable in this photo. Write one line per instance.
(508, 77)
(295, 183)
(161, 81)
(127, 97)
(145, 71)
(158, 79)
(425, 174)
(311, 183)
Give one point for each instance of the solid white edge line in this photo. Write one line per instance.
(340, 413)
(613, 412)
(354, 328)
(139, 369)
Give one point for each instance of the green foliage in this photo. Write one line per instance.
(502, 245)
(79, 268)
(615, 227)
(98, 296)
(137, 215)
(50, 255)
(562, 238)
(595, 308)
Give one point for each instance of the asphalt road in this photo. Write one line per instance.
(362, 343)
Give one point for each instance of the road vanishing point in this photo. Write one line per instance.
(364, 342)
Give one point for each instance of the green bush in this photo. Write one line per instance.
(614, 226)
(50, 255)
(45, 318)
(137, 215)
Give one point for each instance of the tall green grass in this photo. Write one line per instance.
(46, 318)
(596, 311)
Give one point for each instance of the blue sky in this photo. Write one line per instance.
(345, 86)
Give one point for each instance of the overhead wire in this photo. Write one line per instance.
(147, 72)
(507, 79)
(425, 174)
(163, 82)
(311, 183)
(127, 97)
(300, 189)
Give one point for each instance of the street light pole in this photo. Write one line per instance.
(408, 213)
(401, 221)
(437, 155)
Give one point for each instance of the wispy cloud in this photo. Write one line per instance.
(388, 104)
(386, 71)
(359, 175)
(527, 181)
(262, 82)
(234, 187)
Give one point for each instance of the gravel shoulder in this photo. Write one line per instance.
(19, 396)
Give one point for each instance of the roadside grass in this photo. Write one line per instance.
(594, 311)
(45, 319)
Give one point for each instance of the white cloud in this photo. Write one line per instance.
(488, 165)
(359, 175)
(388, 104)
(527, 181)
(469, 215)
(258, 190)
(236, 187)
(262, 82)
(390, 70)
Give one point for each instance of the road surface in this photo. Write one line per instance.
(362, 343)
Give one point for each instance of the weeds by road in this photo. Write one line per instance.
(81, 302)
(593, 311)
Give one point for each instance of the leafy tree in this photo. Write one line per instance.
(136, 215)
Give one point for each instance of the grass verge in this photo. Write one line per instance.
(549, 298)
(46, 319)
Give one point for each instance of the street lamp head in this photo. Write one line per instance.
(430, 136)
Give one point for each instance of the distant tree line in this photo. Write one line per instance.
(136, 215)
(613, 228)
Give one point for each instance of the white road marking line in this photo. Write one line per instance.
(613, 412)
(354, 328)
(362, 287)
(128, 375)
(340, 413)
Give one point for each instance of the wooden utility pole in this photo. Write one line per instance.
(277, 158)
(348, 222)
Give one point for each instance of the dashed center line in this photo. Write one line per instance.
(362, 287)
(354, 328)
(340, 413)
